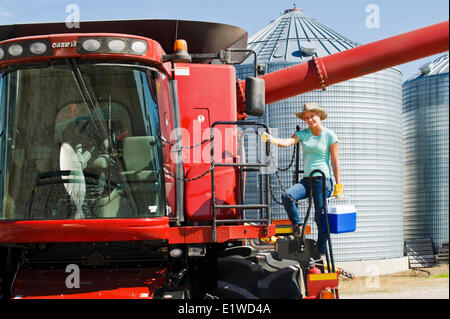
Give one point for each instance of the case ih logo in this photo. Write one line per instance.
(72, 44)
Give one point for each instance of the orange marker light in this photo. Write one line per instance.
(327, 294)
(180, 45)
(180, 51)
(307, 229)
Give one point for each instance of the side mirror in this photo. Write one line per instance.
(255, 96)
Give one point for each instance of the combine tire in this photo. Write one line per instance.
(242, 279)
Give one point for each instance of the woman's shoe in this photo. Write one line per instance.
(296, 230)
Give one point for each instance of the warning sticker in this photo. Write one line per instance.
(181, 71)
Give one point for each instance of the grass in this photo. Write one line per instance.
(439, 276)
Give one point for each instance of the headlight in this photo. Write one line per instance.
(139, 47)
(26, 49)
(176, 252)
(38, 48)
(91, 45)
(116, 45)
(15, 50)
(106, 45)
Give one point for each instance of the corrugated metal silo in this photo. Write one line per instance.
(366, 114)
(426, 137)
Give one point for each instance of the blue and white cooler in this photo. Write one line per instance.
(341, 215)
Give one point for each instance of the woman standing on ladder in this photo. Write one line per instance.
(319, 145)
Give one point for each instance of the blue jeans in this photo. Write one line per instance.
(300, 191)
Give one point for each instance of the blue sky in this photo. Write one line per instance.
(347, 17)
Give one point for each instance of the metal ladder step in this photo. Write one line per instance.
(244, 206)
(241, 164)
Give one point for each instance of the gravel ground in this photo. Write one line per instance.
(433, 283)
(432, 292)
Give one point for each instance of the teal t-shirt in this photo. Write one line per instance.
(316, 150)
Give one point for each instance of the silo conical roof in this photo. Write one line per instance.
(438, 66)
(295, 37)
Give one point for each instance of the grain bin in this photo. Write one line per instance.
(426, 153)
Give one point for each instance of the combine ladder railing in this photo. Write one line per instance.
(265, 198)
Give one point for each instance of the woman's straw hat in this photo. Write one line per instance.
(312, 107)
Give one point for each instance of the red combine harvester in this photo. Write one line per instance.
(123, 165)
